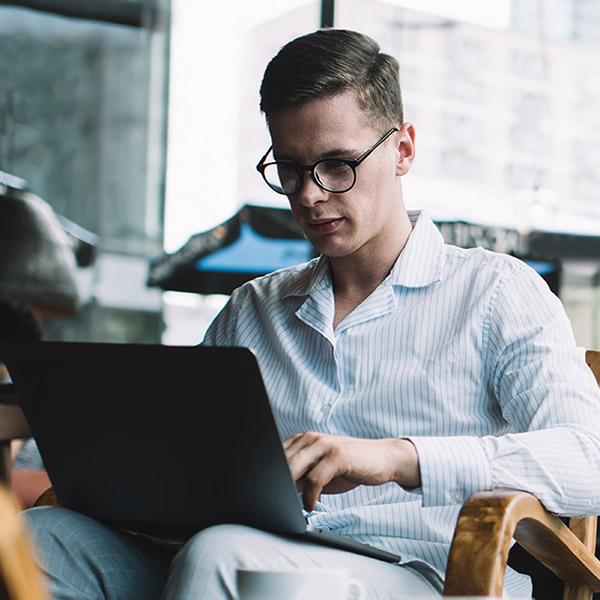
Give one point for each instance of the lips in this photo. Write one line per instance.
(324, 225)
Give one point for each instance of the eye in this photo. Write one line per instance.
(333, 166)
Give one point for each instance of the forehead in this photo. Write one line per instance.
(320, 126)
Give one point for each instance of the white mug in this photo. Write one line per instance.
(322, 584)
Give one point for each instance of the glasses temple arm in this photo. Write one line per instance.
(262, 160)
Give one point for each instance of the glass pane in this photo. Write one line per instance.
(75, 122)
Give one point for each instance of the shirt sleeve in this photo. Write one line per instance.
(222, 330)
(546, 393)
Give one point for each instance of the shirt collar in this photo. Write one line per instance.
(422, 260)
(420, 263)
(316, 276)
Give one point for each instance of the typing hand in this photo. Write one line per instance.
(333, 464)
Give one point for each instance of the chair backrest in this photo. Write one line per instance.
(592, 358)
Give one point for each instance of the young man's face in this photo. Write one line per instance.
(364, 220)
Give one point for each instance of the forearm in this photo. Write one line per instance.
(560, 466)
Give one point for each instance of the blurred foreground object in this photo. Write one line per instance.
(39, 255)
(37, 260)
(20, 576)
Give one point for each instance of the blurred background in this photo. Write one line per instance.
(137, 123)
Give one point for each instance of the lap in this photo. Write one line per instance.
(208, 563)
(85, 559)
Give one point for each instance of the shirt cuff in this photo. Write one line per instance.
(452, 468)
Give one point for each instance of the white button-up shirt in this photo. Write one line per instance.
(465, 352)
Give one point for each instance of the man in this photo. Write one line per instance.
(404, 374)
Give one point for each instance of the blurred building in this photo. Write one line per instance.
(559, 20)
(82, 121)
(501, 121)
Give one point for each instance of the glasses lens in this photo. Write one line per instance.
(335, 175)
(281, 177)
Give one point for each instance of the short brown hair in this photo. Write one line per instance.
(330, 61)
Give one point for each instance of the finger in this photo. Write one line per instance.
(303, 455)
(316, 479)
(299, 443)
(310, 495)
(289, 441)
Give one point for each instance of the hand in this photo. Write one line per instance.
(333, 464)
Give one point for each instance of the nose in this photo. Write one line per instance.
(310, 192)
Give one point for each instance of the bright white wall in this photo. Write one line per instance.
(201, 188)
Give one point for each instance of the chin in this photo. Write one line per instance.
(332, 246)
(332, 251)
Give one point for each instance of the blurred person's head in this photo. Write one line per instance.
(328, 62)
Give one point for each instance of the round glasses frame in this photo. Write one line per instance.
(301, 170)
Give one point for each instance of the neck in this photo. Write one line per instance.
(356, 277)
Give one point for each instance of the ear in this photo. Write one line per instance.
(406, 149)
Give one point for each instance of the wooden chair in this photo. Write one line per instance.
(486, 526)
(489, 521)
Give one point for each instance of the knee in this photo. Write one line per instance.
(47, 523)
(218, 544)
(59, 532)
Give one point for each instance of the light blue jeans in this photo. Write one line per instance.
(86, 560)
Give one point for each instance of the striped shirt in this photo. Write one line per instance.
(465, 352)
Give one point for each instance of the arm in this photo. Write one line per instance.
(548, 395)
(543, 388)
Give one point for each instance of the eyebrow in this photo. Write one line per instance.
(333, 153)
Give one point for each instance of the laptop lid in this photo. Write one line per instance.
(161, 440)
(156, 439)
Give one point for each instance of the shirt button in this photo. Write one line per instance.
(325, 408)
(456, 496)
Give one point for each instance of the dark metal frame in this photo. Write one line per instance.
(131, 13)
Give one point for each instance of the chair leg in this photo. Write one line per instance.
(577, 592)
(585, 530)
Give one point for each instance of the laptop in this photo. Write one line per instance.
(161, 440)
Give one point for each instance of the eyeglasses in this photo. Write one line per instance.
(336, 175)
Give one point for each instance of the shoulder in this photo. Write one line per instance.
(488, 264)
(290, 281)
(259, 303)
(500, 284)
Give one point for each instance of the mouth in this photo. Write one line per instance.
(324, 225)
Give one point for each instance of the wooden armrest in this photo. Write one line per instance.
(592, 358)
(486, 525)
(48, 498)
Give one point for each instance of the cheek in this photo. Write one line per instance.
(296, 213)
(372, 187)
